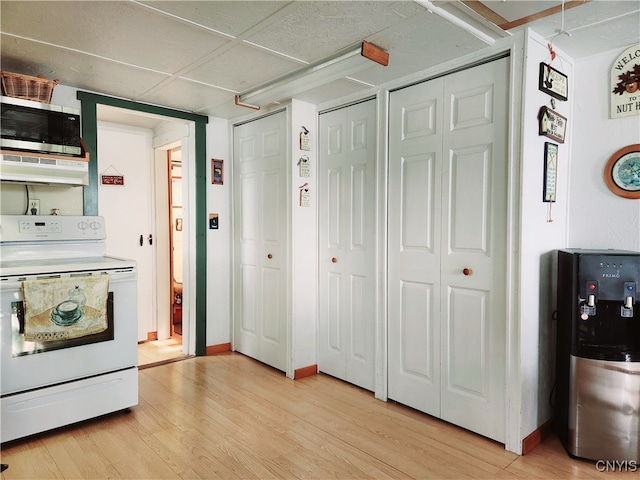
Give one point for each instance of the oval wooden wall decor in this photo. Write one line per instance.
(622, 172)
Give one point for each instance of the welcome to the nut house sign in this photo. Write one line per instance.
(625, 83)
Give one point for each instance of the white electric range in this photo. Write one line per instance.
(55, 370)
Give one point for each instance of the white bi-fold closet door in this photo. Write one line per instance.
(447, 247)
(260, 239)
(346, 198)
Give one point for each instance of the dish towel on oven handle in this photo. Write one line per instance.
(65, 308)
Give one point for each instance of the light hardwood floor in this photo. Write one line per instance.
(159, 351)
(228, 416)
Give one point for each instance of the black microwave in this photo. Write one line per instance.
(40, 127)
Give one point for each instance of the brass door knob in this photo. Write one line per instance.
(269, 256)
(334, 260)
(466, 271)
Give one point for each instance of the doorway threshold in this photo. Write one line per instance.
(164, 362)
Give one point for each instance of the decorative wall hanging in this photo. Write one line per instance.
(553, 82)
(305, 141)
(622, 172)
(305, 195)
(551, 124)
(111, 176)
(625, 84)
(304, 169)
(217, 171)
(550, 172)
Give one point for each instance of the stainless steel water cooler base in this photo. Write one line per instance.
(604, 409)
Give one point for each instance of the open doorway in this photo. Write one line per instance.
(169, 177)
(175, 240)
(150, 152)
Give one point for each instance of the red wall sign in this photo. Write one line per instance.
(112, 179)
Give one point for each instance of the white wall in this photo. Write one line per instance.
(219, 241)
(597, 217)
(540, 237)
(304, 251)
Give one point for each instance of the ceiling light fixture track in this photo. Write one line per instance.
(344, 62)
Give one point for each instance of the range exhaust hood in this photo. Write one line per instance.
(34, 168)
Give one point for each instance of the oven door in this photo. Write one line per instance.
(29, 365)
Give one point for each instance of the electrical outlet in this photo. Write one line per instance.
(34, 206)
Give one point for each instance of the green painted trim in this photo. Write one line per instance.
(201, 238)
(90, 136)
(140, 107)
(89, 118)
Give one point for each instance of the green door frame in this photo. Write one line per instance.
(90, 136)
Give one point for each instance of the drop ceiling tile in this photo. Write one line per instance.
(81, 71)
(624, 33)
(124, 116)
(121, 31)
(595, 26)
(241, 67)
(185, 95)
(230, 17)
(516, 10)
(423, 42)
(330, 91)
(313, 30)
(227, 110)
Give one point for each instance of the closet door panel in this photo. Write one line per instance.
(415, 171)
(347, 243)
(260, 235)
(447, 247)
(474, 257)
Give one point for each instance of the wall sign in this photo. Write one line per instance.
(550, 172)
(111, 176)
(553, 82)
(551, 124)
(305, 141)
(625, 84)
(305, 195)
(303, 166)
(112, 179)
(622, 172)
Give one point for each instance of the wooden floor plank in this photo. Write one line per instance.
(228, 417)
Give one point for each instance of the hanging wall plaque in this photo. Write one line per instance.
(304, 168)
(625, 83)
(551, 124)
(550, 172)
(305, 141)
(553, 82)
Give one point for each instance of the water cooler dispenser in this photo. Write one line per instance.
(598, 354)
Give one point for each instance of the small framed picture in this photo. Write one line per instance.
(217, 172)
(553, 82)
(550, 172)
